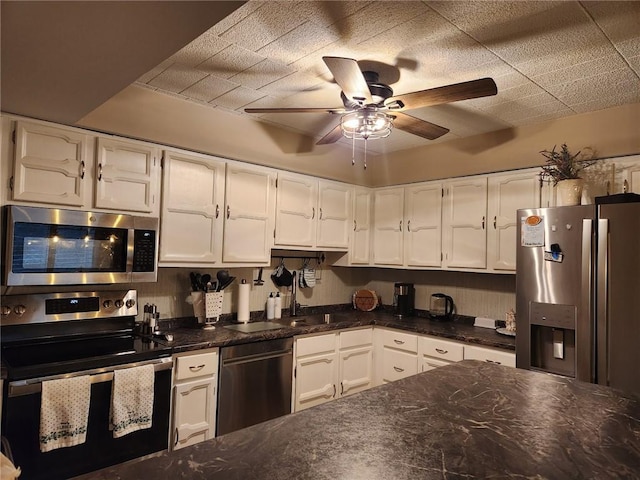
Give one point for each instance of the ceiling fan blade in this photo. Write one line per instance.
(419, 127)
(332, 137)
(349, 78)
(294, 110)
(483, 87)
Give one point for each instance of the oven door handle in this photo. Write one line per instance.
(98, 375)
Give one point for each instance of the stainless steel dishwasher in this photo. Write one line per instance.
(255, 383)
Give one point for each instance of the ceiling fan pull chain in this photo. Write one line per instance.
(353, 151)
(365, 153)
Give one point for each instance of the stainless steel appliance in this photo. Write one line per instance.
(255, 383)
(578, 291)
(441, 306)
(404, 299)
(48, 246)
(51, 336)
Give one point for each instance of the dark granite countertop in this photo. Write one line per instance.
(466, 420)
(193, 337)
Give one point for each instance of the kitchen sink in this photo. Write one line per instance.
(309, 320)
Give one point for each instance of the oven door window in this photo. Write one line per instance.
(42, 248)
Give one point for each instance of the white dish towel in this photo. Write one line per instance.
(64, 412)
(131, 400)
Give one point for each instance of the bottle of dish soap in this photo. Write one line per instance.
(271, 305)
(278, 306)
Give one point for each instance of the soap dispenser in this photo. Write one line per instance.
(278, 306)
(271, 305)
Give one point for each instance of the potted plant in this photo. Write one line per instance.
(564, 169)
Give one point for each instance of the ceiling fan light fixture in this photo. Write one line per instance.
(366, 124)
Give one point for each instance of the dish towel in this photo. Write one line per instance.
(64, 412)
(131, 400)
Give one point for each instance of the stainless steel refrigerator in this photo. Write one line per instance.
(578, 291)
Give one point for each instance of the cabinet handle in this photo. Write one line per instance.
(196, 369)
(398, 369)
(82, 169)
(625, 187)
(217, 210)
(313, 213)
(341, 389)
(354, 225)
(99, 171)
(320, 217)
(493, 361)
(400, 225)
(399, 342)
(495, 222)
(442, 352)
(176, 442)
(408, 225)
(228, 212)
(483, 222)
(334, 391)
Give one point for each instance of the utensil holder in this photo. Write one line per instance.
(197, 298)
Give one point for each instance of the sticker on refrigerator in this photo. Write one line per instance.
(532, 231)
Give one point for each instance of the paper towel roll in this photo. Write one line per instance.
(243, 302)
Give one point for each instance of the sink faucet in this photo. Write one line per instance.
(293, 309)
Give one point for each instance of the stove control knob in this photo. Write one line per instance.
(6, 310)
(19, 309)
(119, 303)
(130, 303)
(106, 304)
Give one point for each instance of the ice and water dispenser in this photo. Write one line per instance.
(553, 338)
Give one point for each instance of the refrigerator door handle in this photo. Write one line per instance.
(585, 335)
(602, 295)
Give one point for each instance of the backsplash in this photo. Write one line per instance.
(474, 294)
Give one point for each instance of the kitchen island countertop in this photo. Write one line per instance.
(466, 420)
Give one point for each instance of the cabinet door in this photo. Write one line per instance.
(490, 355)
(334, 214)
(49, 165)
(429, 363)
(296, 210)
(356, 370)
(397, 364)
(508, 193)
(249, 214)
(359, 253)
(127, 176)
(627, 177)
(191, 220)
(193, 412)
(464, 221)
(388, 207)
(423, 229)
(315, 380)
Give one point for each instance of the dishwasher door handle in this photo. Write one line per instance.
(256, 357)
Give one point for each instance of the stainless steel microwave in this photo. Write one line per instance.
(50, 246)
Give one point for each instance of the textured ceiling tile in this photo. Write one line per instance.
(299, 42)
(262, 74)
(151, 74)
(293, 84)
(264, 25)
(176, 78)
(237, 98)
(577, 71)
(621, 96)
(513, 94)
(328, 13)
(630, 48)
(200, 49)
(235, 17)
(208, 88)
(601, 85)
(634, 62)
(619, 20)
(230, 61)
(561, 59)
(534, 105)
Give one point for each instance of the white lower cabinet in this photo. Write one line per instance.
(194, 398)
(332, 365)
(491, 355)
(396, 355)
(435, 352)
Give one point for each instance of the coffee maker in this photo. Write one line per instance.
(403, 299)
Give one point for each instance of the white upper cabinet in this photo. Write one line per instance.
(360, 246)
(50, 165)
(127, 176)
(54, 165)
(192, 202)
(627, 175)
(508, 192)
(249, 214)
(388, 218)
(312, 213)
(464, 218)
(423, 225)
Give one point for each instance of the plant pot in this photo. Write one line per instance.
(569, 192)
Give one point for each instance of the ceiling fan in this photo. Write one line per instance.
(370, 109)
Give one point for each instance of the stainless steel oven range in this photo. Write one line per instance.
(52, 336)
